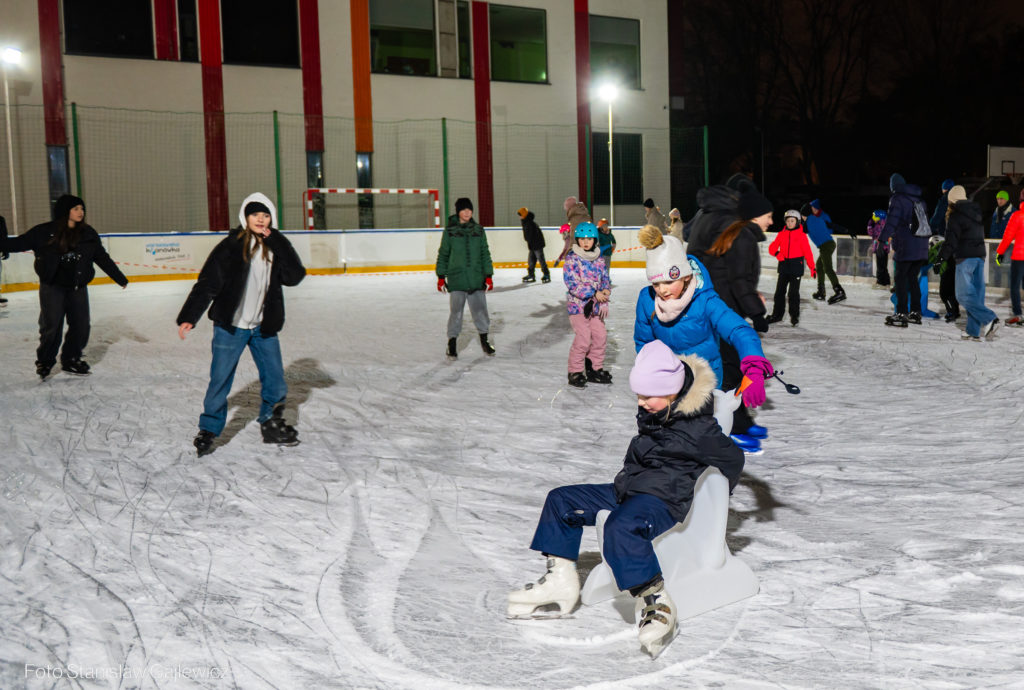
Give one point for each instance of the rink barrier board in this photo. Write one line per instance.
(180, 255)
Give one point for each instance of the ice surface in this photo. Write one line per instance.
(884, 519)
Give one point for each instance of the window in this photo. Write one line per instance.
(627, 150)
(519, 50)
(402, 37)
(465, 40)
(615, 51)
(260, 33)
(188, 33)
(112, 28)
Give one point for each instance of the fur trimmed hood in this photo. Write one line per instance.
(698, 395)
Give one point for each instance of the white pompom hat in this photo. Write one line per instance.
(666, 257)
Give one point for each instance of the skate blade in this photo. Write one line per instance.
(655, 647)
(530, 611)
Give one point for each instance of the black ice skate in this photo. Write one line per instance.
(275, 430)
(819, 295)
(577, 379)
(773, 319)
(914, 317)
(43, 370)
(452, 351)
(837, 296)
(546, 278)
(203, 442)
(897, 320)
(76, 367)
(529, 279)
(488, 350)
(598, 376)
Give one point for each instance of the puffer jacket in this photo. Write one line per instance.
(87, 252)
(792, 249)
(532, 232)
(965, 233)
(668, 455)
(1014, 234)
(464, 259)
(582, 279)
(736, 272)
(697, 330)
(819, 228)
(906, 246)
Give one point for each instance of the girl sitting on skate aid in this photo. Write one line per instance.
(677, 439)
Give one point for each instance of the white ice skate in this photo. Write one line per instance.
(560, 586)
(656, 619)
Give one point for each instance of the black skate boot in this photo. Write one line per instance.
(275, 430)
(452, 352)
(529, 278)
(838, 295)
(203, 442)
(43, 370)
(577, 379)
(598, 376)
(914, 317)
(488, 350)
(76, 367)
(546, 278)
(897, 320)
(773, 319)
(819, 295)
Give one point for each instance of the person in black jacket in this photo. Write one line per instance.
(717, 211)
(66, 249)
(678, 438)
(965, 243)
(535, 243)
(243, 277)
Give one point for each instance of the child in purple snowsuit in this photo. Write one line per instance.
(878, 250)
(586, 277)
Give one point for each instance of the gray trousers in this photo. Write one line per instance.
(477, 307)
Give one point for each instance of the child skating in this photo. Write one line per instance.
(586, 279)
(792, 249)
(676, 428)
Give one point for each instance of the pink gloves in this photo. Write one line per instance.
(757, 369)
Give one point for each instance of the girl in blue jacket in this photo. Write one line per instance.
(682, 309)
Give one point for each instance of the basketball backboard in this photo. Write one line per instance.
(1007, 161)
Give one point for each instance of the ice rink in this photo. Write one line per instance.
(884, 519)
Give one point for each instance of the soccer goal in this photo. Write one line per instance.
(410, 215)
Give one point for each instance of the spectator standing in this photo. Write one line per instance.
(1001, 216)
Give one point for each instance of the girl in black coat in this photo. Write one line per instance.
(243, 277)
(66, 249)
(535, 243)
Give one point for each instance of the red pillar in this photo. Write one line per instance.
(484, 204)
(312, 89)
(53, 80)
(165, 25)
(213, 116)
(582, 17)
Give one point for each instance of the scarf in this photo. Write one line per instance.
(587, 255)
(669, 309)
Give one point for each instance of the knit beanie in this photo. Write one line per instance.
(522, 212)
(895, 181)
(569, 202)
(255, 207)
(648, 202)
(947, 184)
(1003, 194)
(64, 205)
(666, 258)
(658, 371)
(957, 193)
(463, 203)
(753, 205)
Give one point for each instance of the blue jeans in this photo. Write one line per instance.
(227, 349)
(1016, 278)
(628, 532)
(970, 291)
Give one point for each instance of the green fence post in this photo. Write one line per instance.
(74, 138)
(277, 171)
(707, 175)
(444, 159)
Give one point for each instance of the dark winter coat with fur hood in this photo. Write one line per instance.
(668, 455)
(224, 277)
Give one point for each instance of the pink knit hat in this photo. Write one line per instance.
(658, 371)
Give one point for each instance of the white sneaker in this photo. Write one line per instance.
(559, 586)
(964, 335)
(656, 619)
(991, 328)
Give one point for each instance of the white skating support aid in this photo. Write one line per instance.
(700, 572)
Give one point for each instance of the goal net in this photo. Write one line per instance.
(387, 209)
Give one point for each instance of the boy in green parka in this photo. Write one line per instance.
(464, 269)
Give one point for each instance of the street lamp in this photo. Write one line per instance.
(610, 92)
(10, 56)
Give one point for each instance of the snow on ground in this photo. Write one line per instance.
(884, 520)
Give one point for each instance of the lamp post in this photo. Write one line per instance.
(10, 56)
(610, 92)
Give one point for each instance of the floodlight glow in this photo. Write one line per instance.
(12, 56)
(608, 92)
